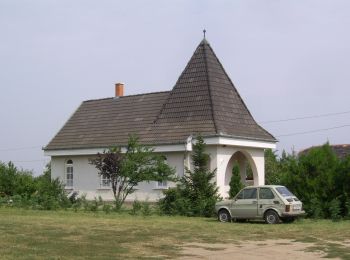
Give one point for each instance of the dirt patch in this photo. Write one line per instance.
(267, 249)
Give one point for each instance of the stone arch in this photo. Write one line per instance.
(240, 157)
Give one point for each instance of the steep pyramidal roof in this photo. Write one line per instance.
(204, 100)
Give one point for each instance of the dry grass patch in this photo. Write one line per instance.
(30, 234)
(251, 250)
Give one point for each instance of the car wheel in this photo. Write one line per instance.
(224, 216)
(271, 217)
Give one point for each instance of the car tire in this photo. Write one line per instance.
(271, 217)
(224, 216)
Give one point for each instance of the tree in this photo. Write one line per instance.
(316, 177)
(125, 170)
(272, 168)
(15, 182)
(25, 190)
(196, 193)
(235, 182)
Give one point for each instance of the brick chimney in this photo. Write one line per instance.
(119, 89)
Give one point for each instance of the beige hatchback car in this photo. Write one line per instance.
(271, 203)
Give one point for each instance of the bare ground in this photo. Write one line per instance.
(251, 250)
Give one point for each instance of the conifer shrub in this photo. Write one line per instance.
(235, 182)
(196, 193)
(146, 209)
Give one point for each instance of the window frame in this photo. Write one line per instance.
(69, 174)
(265, 188)
(243, 193)
(162, 184)
(104, 180)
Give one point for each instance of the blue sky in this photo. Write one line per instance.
(286, 58)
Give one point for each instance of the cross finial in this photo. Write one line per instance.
(204, 31)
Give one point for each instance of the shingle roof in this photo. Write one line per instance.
(203, 100)
(341, 150)
(107, 122)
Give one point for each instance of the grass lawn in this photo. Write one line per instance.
(31, 234)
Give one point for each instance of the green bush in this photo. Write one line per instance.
(84, 203)
(314, 208)
(76, 205)
(335, 210)
(174, 203)
(24, 190)
(3, 201)
(93, 205)
(320, 179)
(136, 207)
(107, 208)
(347, 208)
(146, 209)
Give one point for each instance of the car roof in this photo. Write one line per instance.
(264, 186)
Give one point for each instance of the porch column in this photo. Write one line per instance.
(258, 156)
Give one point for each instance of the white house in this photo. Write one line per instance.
(203, 100)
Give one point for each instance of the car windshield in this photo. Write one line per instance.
(284, 192)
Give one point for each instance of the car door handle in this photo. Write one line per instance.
(254, 202)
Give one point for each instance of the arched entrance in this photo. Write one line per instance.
(227, 156)
(243, 160)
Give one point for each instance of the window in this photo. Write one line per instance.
(240, 195)
(69, 173)
(105, 182)
(266, 193)
(247, 194)
(162, 184)
(284, 192)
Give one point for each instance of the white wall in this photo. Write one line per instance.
(256, 159)
(87, 181)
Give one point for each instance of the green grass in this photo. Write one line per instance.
(27, 234)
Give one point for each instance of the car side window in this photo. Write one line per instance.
(266, 193)
(249, 194)
(240, 195)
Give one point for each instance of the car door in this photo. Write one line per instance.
(267, 199)
(245, 204)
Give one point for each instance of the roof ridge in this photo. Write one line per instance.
(235, 89)
(141, 94)
(171, 91)
(163, 106)
(223, 69)
(340, 145)
(69, 118)
(205, 42)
